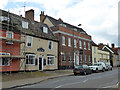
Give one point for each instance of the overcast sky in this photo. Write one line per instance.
(99, 18)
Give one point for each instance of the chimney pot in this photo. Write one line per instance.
(30, 14)
(113, 45)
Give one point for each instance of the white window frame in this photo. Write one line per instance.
(24, 24)
(53, 60)
(33, 59)
(88, 46)
(84, 45)
(89, 58)
(30, 41)
(45, 29)
(80, 44)
(69, 42)
(75, 43)
(64, 25)
(9, 33)
(51, 45)
(63, 40)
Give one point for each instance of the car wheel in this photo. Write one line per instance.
(85, 73)
(103, 70)
(97, 70)
(75, 74)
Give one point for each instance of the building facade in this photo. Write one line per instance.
(10, 42)
(74, 42)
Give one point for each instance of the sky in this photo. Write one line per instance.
(99, 18)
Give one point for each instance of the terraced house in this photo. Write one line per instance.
(35, 44)
(74, 42)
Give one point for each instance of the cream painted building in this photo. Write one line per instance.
(99, 55)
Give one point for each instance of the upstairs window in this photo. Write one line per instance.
(50, 45)
(75, 43)
(75, 29)
(29, 41)
(9, 34)
(80, 44)
(24, 25)
(45, 29)
(64, 25)
(63, 40)
(3, 18)
(94, 49)
(84, 45)
(88, 46)
(69, 42)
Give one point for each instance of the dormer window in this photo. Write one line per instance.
(24, 25)
(3, 18)
(75, 29)
(64, 25)
(45, 29)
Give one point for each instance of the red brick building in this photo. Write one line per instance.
(74, 42)
(9, 44)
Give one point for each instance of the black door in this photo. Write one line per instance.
(40, 63)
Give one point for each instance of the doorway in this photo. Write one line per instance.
(40, 63)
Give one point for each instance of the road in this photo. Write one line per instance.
(95, 80)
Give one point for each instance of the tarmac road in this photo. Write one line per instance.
(95, 80)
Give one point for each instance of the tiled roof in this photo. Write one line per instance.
(34, 27)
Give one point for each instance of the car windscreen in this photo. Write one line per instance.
(78, 66)
(95, 64)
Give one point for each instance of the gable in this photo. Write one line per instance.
(107, 49)
(48, 22)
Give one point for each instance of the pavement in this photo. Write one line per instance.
(30, 81)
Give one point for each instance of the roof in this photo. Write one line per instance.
(94, 44)
(56, 22)
(34, 27)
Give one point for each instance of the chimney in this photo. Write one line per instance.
(100, 45)
(42, 16)
(30, 14)
(113, 45)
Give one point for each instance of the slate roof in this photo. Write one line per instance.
(94, 44)
(56, 22)
(34, 27)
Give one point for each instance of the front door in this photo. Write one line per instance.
(40, 63)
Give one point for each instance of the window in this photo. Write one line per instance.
(45, 29)
(69, 57)
(64, 25)
(88, 46)
(84, 45)
(24, 25)
(89, 58)
(3, 18)
(50, 60)
(50, 45)
(69, 42)
(94, 60)
(5, 61)
(29, 41)
(75, 29)
(63, 57)
(102, 55)
(30, 59)
(80, 44)
(94, 49)
(80, 58)
(63, 40)
(85, 58)
(9, 34)
(75, 43)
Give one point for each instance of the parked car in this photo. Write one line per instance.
(82, 69)
(109, 67)
(96, 67)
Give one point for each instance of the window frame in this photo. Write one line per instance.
(69, 42)
(88, 46)
(80, 44)
(84, 45)
(63, 40)
(53, 60)
(51, 45)
(28, 58)
(25, 24)
(11, 36)
(75, 43)
(7, 62)
(30, 42)
(64, 57)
